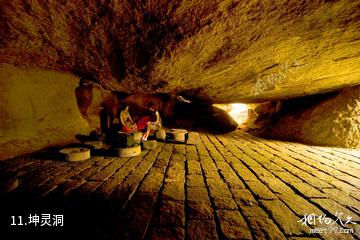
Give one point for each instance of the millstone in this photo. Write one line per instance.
(178, 130)
(122, 139)
(178, 135)
(129, 151)
(76, 154)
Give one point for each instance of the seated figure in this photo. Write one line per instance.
(128, 125)
(154, 124)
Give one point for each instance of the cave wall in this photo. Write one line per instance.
(219, 51)
(334, 121)
(98, 106)
(38, 109)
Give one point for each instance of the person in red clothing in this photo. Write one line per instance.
(155, 123)
(128, 125)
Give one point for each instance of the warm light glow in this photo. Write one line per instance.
(238, 111)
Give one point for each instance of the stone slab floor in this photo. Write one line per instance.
(230, 186)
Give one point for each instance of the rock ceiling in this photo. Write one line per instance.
(217, 51)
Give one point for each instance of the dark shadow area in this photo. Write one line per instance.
(201, 117)
(83, 217)
(301, 103)
(49, 153)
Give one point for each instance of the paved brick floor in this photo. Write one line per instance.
(230, 186)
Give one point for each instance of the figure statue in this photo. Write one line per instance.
(128, 125)
(154, 124)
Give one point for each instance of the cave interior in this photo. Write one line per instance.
(260, 119)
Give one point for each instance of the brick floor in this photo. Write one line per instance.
(231, 186)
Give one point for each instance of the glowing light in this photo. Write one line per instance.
(238, 111)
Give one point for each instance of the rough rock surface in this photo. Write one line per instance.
(333, 122)
(38, 109)
(218, 51)
(261, 115)
(98, 106)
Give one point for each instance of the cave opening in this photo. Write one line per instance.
(238, 111)
(180, 119)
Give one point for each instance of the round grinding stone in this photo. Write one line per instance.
(179, 135)
(76, 154)
(129, 151)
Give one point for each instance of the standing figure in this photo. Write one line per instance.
(128, 125)
(155, 123)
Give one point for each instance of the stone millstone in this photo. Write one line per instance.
(149, 144)
(160, 134)
(124, 139)
(193, 138)
(129, 151)
(178, 135)
(76, 154)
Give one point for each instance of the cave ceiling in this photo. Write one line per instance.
(216, 51)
